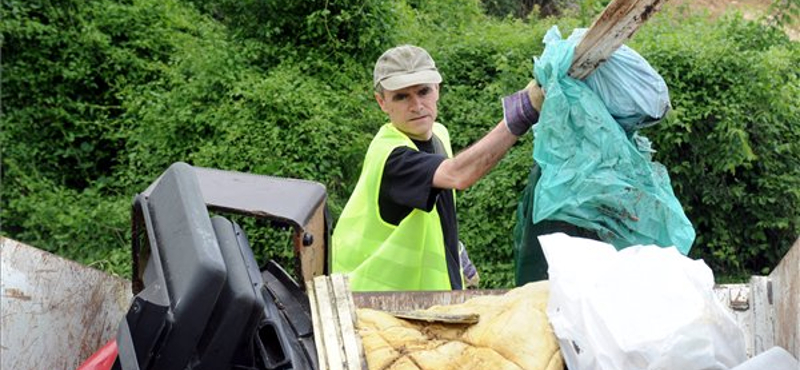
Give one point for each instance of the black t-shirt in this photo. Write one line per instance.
(408, 183)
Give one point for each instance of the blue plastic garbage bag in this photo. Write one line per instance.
(632, 91)
(593, 173)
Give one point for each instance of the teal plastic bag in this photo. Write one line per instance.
(595, 175)
(529, 260)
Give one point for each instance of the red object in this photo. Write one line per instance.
(103, 359)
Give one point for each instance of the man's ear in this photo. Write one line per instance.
(381, 101)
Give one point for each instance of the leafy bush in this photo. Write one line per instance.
(66, 64)
(732, 142)
(523, 8)
(59, 77)
(81, 225)
(309, 29)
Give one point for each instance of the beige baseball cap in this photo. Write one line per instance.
(404, 66)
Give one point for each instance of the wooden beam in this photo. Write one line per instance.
(311, 257)
(346, 311)
(334, 318)
(316, 320)
(618, 22)
(331, 330)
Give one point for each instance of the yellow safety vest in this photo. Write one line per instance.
(377, 255)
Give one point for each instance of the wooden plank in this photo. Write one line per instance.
(435, 317)
(345, 309)
(618, 22)
(334, 318)
(334, 349)
(312, 257)
(417, 300)
(319, 339)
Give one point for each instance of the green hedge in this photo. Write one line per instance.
(732, 143)
(100, 97)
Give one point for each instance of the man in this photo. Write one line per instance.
(398, 230)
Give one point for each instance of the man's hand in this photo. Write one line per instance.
(471, 277)
(536, 94)
(521, 109)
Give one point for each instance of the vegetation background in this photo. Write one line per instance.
(99, 97)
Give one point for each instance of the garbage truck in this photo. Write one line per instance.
(197, 298)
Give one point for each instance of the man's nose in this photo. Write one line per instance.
(416, 104)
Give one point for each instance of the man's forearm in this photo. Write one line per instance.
(471, 164)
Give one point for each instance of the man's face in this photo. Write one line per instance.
(412, 109)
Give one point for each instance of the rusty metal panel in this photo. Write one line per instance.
(785, 295)
(55, 312)
(763, 317)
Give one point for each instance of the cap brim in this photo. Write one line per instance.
(411, 79)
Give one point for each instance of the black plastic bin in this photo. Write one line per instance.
(201, 301)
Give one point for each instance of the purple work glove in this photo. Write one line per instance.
(521, 109)
(471, 277)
